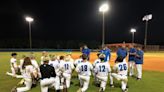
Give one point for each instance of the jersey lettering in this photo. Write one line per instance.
(84, 68)
(122, 67)
(66, 66)
(102, 68)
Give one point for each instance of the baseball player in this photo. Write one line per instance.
(132, 53)
(21, 62)
(27, 75)
(86, 50)
(36, 69)
(69, 55)
(122, 52)
(61, 61)
(94, 65)
(66, 69)
(102, 69)
(105, 50)
(55, 63)
(13, 65)
(121, 69)
(78, 61)
(48, 76)
(84, 71)
(44, 54)
(139, 62)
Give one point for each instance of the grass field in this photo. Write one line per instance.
(153, 75)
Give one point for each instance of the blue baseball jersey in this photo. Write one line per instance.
(86, 51)
(139, 57)
(132, 57)
(121, 52)
(107, 54)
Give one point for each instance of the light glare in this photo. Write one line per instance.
(133, 30)
(29, 19)
(104, 8)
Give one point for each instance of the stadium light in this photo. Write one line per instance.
(146, 18)
(29, 20)
(133, 31)
(103, 8)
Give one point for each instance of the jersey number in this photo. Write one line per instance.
(122, 67)
(66, 66)
(102, 68)
(84, 68)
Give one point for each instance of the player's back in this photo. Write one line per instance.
(34, 63)
(84, 68)
(27, 71)
(121, 68)
(77, 61)
(67, 67)
(13, 62)
(55, 64)
(96, 62)
(102, 69)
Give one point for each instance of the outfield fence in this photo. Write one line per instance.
(113, 49)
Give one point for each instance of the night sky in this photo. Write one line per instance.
(81, 20)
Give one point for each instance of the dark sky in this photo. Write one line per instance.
(81, 20)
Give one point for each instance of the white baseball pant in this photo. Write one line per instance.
(68, 79)
(122, 78)
(85, 81)
(28, 84)
(131, 68)
(49, 82)
(139, 70)
(103, 81)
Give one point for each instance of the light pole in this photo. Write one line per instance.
(133, 31)
(146, 18)
(30, 20)
(103, 8)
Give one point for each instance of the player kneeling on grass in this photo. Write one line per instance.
(14, 66)
(84, 72)
(101, 70)
(121, 71)
(27, 75)
(94, 65)
(48, 76)
(66, 68)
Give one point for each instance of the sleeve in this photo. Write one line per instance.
(72, 66)
(36, 64)
(53, 72)
(94, 63)
(109, 69)
(126, 52)
(75, 62)
(109, 54)
(12, 61)
(91, 67)
(118, 53)
(77, 69)
(96, 69)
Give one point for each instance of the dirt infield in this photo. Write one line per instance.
(152, 61)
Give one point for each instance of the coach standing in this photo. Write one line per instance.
(122, 52)
(139, 62)
(48, 76)
(106, 51)
(86, 50)
(131, 60)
